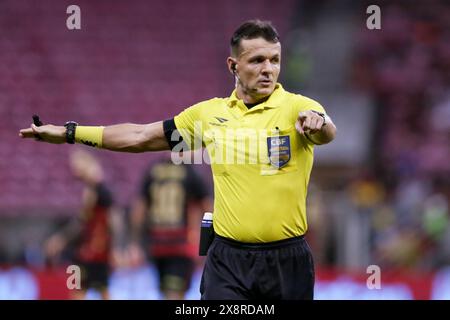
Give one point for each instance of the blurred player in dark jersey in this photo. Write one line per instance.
(171, 202)
(91, 230)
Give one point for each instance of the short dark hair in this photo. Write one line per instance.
(253, 29)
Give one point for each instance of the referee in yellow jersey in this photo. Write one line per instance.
(260, 140)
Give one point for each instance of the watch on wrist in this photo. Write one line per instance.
(71, 127)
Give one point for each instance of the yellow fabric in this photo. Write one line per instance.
(254, 201)
(89, 135)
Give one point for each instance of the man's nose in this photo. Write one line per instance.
(267, 67)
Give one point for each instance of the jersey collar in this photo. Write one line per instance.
(274, 100)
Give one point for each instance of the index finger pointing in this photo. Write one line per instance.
(26, 133)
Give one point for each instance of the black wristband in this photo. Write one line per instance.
(71, 127)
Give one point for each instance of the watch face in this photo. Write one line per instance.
(70, 122)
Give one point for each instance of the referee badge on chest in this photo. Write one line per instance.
(279, 149)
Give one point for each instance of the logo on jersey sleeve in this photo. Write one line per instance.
(221, 120)
(279, 149)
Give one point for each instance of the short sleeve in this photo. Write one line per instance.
(189, 126)
(304, 103)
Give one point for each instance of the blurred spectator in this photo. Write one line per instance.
(320, 227)
(405, 68)
(91, 230)
(169, 210)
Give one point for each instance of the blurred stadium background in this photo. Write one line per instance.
(379, 194)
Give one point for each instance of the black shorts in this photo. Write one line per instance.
(94, 275)
(276, 270)
(175, 273)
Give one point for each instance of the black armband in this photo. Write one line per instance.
(169, 127)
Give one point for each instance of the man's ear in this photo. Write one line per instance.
(231, 62)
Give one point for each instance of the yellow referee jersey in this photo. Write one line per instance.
(261, 165)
